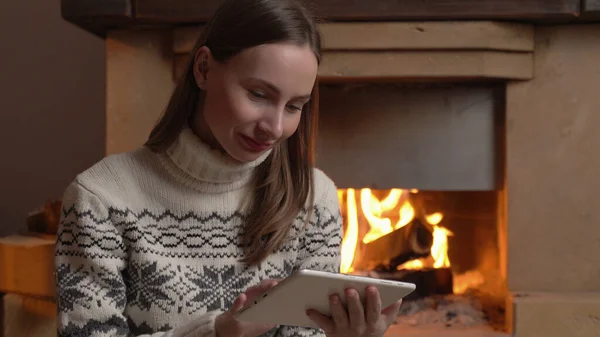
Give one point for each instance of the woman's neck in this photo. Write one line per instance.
(203, 132)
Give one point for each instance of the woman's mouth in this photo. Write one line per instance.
(254, 145)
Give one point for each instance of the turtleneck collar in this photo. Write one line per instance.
(199, 166)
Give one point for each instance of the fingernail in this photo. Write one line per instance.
(334, 299)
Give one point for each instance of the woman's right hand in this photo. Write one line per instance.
(227, 326)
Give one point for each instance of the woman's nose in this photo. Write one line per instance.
(272, 125)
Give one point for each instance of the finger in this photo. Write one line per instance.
(373, 308)
(271, 283)
(390, 313)
(338, 312)
(356, 312)
(321, 321)
(238, 303)
(260, 285)
(253, 292)
(263, 286)
(256, 290)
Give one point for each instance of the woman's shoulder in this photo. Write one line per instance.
(115, 173)
(325, 188)
(115, 166)
(326, 205)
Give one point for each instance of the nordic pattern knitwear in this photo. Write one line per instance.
(148, 243)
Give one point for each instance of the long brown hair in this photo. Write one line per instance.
(284, 181)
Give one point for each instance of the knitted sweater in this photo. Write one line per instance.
(148, 243)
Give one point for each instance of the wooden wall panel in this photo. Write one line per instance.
(376, 10)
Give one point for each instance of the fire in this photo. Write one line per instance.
(413, 265)
(377, 213)
(439, 249)
(469, 280)
(373, 210)
(351, 235)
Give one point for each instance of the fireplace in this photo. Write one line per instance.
(463, 149)
(419, 191)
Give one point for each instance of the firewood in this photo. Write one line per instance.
(389, 251)
(45, 220)
(26, 265)
(428, 281)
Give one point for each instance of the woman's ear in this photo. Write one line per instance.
(201, 68)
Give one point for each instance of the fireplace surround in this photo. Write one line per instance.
(489, 103)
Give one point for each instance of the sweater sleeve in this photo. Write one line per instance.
(90, 257)
(320, 246)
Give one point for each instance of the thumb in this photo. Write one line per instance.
(391, 312)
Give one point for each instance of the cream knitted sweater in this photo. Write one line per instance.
(147, 244)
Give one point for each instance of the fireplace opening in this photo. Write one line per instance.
(419, 170)
(444, 242)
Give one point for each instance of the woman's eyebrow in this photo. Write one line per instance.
(274, 88)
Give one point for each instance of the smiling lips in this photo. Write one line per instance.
(254, 145)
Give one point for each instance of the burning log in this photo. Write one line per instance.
(407, 243)
(396, 241)
(429, 281)
(420, 258)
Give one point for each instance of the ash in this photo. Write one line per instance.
(442, 311)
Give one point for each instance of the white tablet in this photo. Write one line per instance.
(287, 302)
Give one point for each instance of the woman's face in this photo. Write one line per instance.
(254, 100)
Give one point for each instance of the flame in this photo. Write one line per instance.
(351, 235)
(374, 211)
(412, 265)
(439, 249)
(434, 218)
(407, 214)
(469, 280)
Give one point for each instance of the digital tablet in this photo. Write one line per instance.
(287, 302)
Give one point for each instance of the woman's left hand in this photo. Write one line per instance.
(357, 320)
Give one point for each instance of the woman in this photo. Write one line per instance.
(175, 237)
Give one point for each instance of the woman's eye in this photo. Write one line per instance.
(257, 94)
(295, 108)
